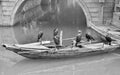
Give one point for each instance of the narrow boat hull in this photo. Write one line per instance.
(62, 55)
(66, 52)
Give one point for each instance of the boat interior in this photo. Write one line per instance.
(92, 45)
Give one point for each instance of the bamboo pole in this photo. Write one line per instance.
(61, 35)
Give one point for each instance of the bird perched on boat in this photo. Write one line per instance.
(56, 38)
(40, 34)
(108, 38)
(89, 37)
(78, 37)
(55, 32)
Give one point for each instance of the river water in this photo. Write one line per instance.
(68, 17)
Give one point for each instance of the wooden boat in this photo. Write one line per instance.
(36, 51)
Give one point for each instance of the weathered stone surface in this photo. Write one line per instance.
(10, 8)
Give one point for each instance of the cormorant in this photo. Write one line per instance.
(89, 37)
(56, 38)
(40, 37)
(55, 32)
(108, 39)
(78, 37)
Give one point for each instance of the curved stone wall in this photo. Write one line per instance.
(25, 10)
(31, 10)
(92, 9)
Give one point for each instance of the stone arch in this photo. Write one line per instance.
(85, 10)
(22, 2)
(15, 9)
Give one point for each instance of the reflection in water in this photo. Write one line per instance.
(66, 15)
(93, 65)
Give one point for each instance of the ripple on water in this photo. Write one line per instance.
(93, 65)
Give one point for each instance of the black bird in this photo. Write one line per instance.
(55, 32)
(108, 39)
(78, 37)
(56, 40)
(40, 36)
(89, 37)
